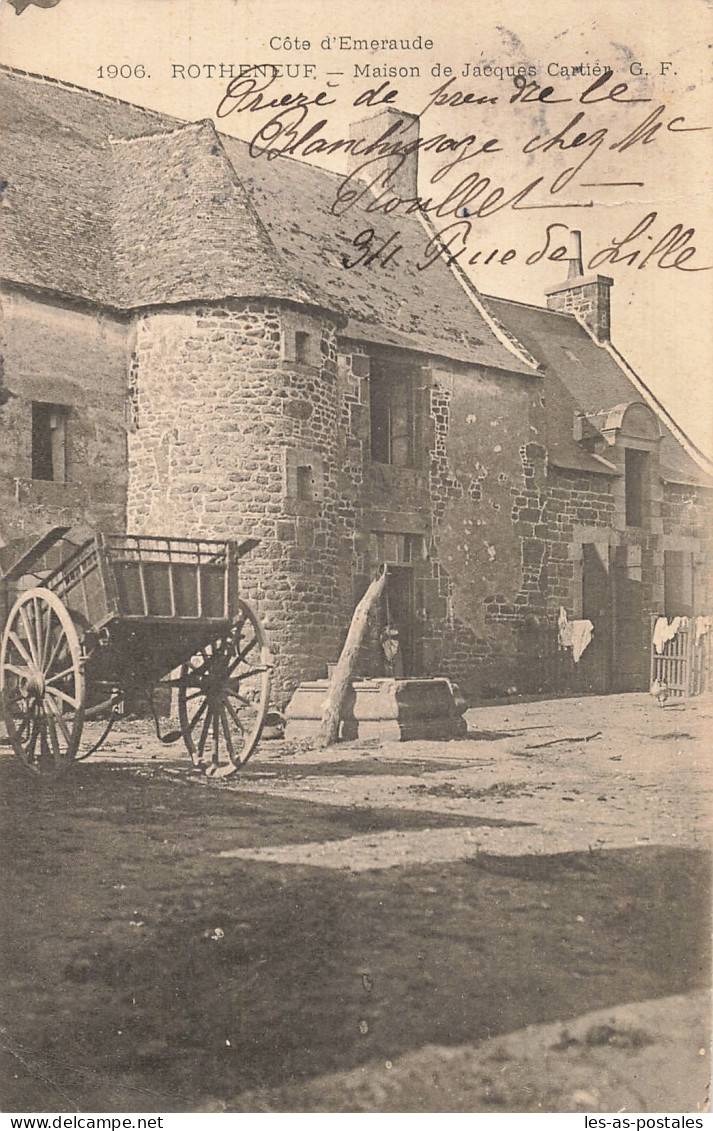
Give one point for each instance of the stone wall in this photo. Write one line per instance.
(687, 522)
(589, 509)
(580, 508)
(238, 432)
(251, 419)
(487, 486)
(473, 506)
(587, 297)
(68, 356)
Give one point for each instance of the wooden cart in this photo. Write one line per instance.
(121, 616)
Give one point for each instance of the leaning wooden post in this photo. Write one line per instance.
(344, 670)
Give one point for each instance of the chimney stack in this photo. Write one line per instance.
(378, 136)
(576, 269)
(585, 295)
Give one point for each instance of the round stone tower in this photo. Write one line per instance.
(234, 433)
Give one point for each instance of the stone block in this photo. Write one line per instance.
(398, 709)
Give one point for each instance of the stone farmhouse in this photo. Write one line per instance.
(184, 353)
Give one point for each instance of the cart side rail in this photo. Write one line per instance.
(151, 577)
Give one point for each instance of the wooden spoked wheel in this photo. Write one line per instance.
(223, 696)
(42, 686)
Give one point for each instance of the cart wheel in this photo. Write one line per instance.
(223, 696)
(42, 687)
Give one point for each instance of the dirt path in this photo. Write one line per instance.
(556, 776)
(313, 933)
(647, 1056)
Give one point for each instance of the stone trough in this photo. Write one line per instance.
(385, 709)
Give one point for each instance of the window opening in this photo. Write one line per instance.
(49, 458)
(393, 420)
(635, 479)
(302, 347)
(305, 481)
(413, 548)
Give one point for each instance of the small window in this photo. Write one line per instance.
(636, 465)
(393, 419)
(413, 548)
(397, 549)
(304, 475)
(49, 440)
(305, 482)
(302, 350)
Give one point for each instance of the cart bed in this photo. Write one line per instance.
(145, 578)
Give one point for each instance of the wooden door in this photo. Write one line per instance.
(595, 664)
(630, 632)
(398, 612)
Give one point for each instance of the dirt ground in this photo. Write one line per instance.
(515, 921)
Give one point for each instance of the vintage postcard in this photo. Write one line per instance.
(356, 544)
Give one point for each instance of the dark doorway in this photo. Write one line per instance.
(597, 607)
(636, 479)
(398, 623)
(678, 583)
(631, 657)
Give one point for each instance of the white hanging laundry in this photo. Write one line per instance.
(660, 633)
(582, 631)
(703, 626)
(663, 631)
(574, 634)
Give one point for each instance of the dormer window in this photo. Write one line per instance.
(632, 433)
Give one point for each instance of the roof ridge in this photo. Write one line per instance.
(64, 83)
(303, 162)
(529, 305)
(182, 127)
(296, 270)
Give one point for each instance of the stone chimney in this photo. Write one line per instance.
(585, 295)
(379, 135)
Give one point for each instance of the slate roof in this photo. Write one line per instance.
(98, 205)
(188, 229)
(397, 304)
(582, 376)
(123, 206)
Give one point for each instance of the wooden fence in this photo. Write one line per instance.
(685, 665)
